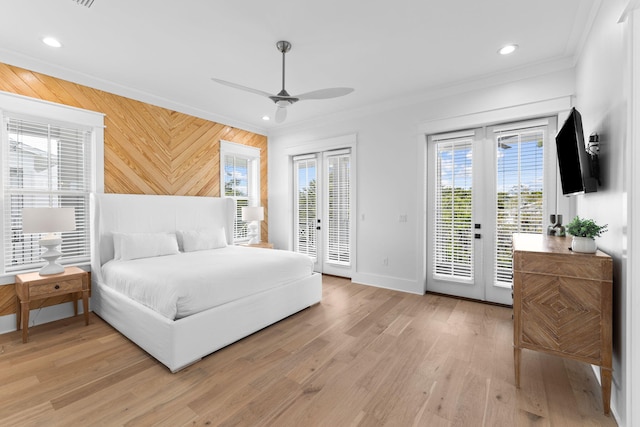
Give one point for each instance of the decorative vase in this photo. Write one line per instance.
(586, 245)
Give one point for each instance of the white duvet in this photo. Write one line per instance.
(179, 285)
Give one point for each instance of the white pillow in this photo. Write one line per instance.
(199, 240)
(129, 246)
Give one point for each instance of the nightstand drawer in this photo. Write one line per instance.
(62, 287)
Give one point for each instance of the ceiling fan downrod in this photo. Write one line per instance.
(284, 47)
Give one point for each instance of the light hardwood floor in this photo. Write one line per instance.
(364, 356)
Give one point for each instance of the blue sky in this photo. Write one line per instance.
(456, 166)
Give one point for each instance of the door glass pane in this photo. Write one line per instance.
(453, 233)
(305, 207)
(339, 222)
(519, 189)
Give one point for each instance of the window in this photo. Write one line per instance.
(338, 165)
(453, 231)
(305, 203)
(48, 159)
(519, 192)
(240, 176)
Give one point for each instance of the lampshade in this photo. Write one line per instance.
(252, 213)
(48, 220)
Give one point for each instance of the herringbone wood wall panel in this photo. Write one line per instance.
(147, 149)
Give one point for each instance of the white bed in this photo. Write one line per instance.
(181, 332)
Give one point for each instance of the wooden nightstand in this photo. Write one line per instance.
(266, 245)
(33, 286)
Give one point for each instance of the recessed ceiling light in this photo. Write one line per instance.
(50, 41)
(266, 118)
(506, 50)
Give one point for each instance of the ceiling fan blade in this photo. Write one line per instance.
(237, 86)
(326, 93)
(281, 114)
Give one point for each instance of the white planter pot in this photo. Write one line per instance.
(585, 245)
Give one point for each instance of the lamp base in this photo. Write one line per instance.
(51, 268)
(51, 255)
(253, 233)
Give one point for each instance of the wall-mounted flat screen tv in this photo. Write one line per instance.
(578, 168)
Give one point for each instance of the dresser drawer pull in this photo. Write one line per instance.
(57, 286)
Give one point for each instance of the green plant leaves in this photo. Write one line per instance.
(585, 228)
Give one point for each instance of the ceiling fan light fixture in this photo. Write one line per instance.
(284, 102)
(281, 114)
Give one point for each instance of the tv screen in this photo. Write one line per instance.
(576, 165)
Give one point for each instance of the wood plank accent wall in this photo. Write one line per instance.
(147, 149)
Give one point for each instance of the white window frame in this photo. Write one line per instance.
(12, 105)
(252, 155)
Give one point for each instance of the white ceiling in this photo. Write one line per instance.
(165, 52)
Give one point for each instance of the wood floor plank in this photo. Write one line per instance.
(363, 357)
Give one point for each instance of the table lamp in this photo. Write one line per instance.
(50, 221)
(253, 214)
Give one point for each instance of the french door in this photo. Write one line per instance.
(323, 206)
(484, 185)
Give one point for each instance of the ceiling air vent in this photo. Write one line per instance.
(87, 3)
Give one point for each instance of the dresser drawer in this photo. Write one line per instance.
(573, 265)
(62, 287)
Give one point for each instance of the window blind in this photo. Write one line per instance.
(45, 165)
(338, 210)
(236, 185)
(453, 233)
(519, 179)
(305, 205)
(240, 175)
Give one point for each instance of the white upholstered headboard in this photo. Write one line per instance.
(134, 213)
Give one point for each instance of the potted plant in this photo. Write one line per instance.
(584, 232)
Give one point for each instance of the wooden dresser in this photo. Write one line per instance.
(562, 303)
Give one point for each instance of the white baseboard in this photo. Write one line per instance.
(388, 282)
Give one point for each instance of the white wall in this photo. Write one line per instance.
(391, 167)
(603, 92)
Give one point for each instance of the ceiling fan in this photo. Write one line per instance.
(283, 99)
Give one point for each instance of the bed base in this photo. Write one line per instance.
(180, 343)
